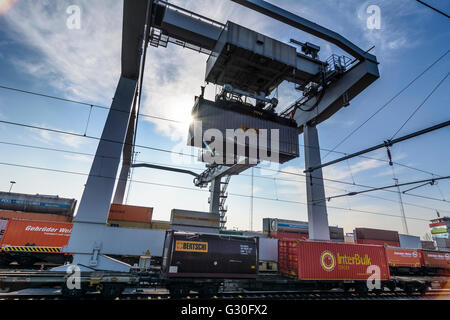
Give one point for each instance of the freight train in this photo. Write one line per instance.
(30, 238)
(205, 262)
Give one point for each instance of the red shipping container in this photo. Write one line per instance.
(376, 234)
(379, 242)
(289, 235)
(24, 233)
(10, 215)
(404, 257)
(436, 259)
(339, 261)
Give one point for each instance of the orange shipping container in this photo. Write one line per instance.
(22, 233)
(436, 259)
(123, 212)
(9, 215)
(404, 257)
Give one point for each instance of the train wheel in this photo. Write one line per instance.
(111, 291)
(4, 261)
(26, 261)
(208, 291)
(178, 292)
(72, 293)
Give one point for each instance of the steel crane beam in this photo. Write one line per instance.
(303, 24)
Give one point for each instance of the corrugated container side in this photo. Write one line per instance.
(376, 234)
(339, 261)
(436, 259)
(3, 224)
(404, 257)
(37, 203)
(123, 212)
(428, 245)
(409, 242)
(379, 242)
(9, 215)
(36, 233)
(289, 235)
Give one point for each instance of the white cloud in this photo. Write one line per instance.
(83, 64)
(52, 138)
(79, 158)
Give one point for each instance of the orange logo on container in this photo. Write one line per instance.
(327, 260)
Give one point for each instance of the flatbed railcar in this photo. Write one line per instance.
(211, 264)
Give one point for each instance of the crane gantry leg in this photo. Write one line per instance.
(315, 190)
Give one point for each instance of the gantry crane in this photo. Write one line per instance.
(327, 86)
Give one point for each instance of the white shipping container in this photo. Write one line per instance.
(194, 219)
(268, 249)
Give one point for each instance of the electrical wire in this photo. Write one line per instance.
(91, 105)
(200, 190)
(84, 103)
(168, 151)
(387, 103)
(200, 170)
(420, 105)
(433, 8)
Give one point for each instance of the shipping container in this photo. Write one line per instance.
(129, 213)
(404, 257)
(379, 242)
(289, 235)
(281, 225)
(428, 245)
(229, 116)
(26, 236)
(9, 215)
(376, 234)
(268, 249)
(193, 255)
(409, 242)
(37, 203)
(160, 225)
(436, 260)
(194, 221)
(336, 261)
(3, 224)
(129, 224)
(442, 243)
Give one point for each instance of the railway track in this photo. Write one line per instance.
(132, 294)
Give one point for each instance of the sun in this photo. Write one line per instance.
(5, 5)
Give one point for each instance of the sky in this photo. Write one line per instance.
(39, 53)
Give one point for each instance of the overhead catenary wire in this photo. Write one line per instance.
(420, 105)
(433, 8)
(387, 103)
(91, 105)
(387, 143)
(179, 153)
(353, 193)
(201, 169)
(200, 190)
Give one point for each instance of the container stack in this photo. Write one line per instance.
(377, 237)
(288, 257)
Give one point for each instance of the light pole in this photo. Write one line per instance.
(401, 207)
(12, 183)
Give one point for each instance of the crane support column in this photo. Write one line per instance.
(214, 200)
(317, 210)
